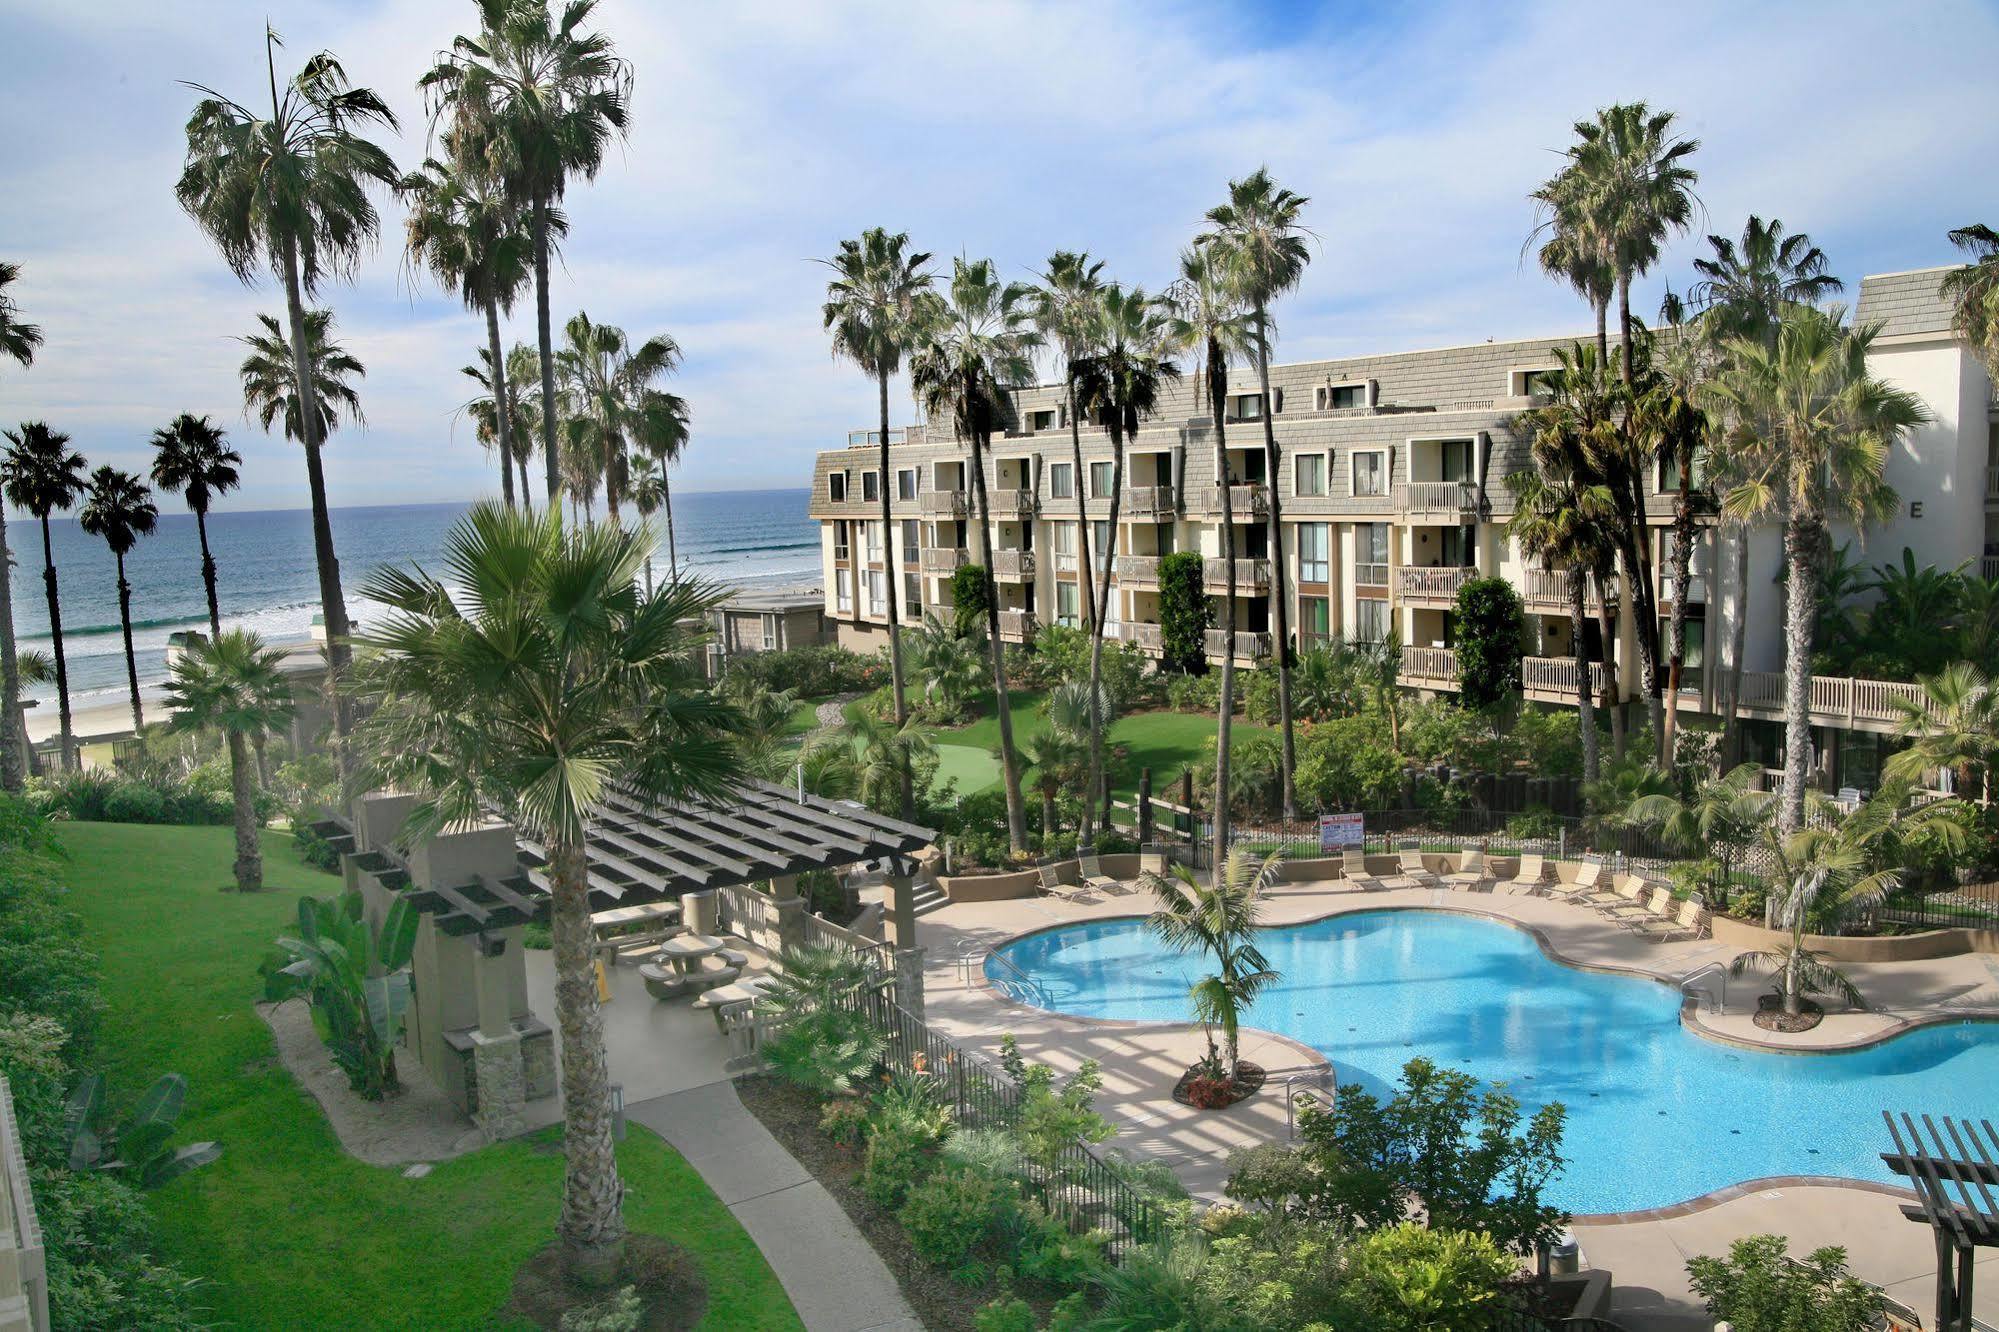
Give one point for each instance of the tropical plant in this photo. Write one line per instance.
(1916, 610)
(139, 1147)
(885, 753)
(18, 342)
(1185, 613)
(234, 684)
(355, 974)
(555, 681)
(947, 660)
(1056, 761)
(977, 348)
(1558, 520)
(1954, 725)
(660, 425)
(500, 394)
(1260, 244)
(1817, 871)
(1065, 310)
(1667, 417)
(819, 1036)
(119, 509)
(533, 101)
(1973, 291)
(467, 233)
(609, 382)
(192, 459)
(43, 475)
(1759, 1287)
(647, 482)
(289, 194)
(1489, 624)
(269, 384)
(1723, 819)
(1832, 425)
(1221, 920)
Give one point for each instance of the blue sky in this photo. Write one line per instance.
(765, 132)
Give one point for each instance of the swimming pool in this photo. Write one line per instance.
(1656, 1114)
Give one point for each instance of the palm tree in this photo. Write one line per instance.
(1833, 425)
(120, 509)
(1954, 725)
(978, 347)
(1557, 520)
(1065, 308)
(947, 661)
(648, 491)
(1723, 819)
(18, 342)
(270, 384)
(237, 685)
(609, 380)
(885, 753)
(522, 366)
(37, 668)
(1220, 920)
(1262, 247)
(191, 458)
(1209, 320)
(1973, 292)
(559, 682)
(469, 235)
(499, 395)
(878, 303)
(1571, 253)
(43, 475)
(1668, 420)
(1817, 870)
(1919, 610)
(1055, 759)
(534, 102)
(290, 194)
(1119, 383)
(660, 428)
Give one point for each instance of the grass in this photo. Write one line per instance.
(286, 1228)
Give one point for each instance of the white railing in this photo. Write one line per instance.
(819, 932)
(1013, 564)
(1832, 700)
(1246, 501)
(749, 914)
(1148, 499)
(1430, 664)
(1250, 574)
(1431, 582)
(1557, 676)
(1249, 644)
(943, 559)
(1010, 503)
(1448, 497)
(1137, 568)
(1549, 588)
(951, 502)
(1371, 575)
(1016, 626)
(1146, 636)
(862, 438)
(1988, 566)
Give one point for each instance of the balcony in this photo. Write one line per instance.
(1016, 626)
(1249, 502)
(1146, 636)
(1250, 645)
(1431, 585)
(1992, 484)
(942, 503)
(1008, 503)
(1864, 705)
(1137, 570)
(1437, 501)
(1548, 593)
(1013, 565)
(861, 439)
(1251, 574)
(1988, 566)
(1142, 503)
(1696, 589)
(1430, 668)
(943, 559)
(1553, 679)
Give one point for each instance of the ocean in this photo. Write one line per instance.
(266, 579)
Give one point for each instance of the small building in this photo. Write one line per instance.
(767, 620)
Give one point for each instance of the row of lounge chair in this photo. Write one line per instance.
(1628, 900)
(1094, 883)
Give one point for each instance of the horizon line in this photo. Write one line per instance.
(22, 515)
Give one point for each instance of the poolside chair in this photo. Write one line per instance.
(1673, 920)
(1054, 887)
(1092, 871)
(1588, 875)
(1415, 871)
(1527, 878)
(1629, 899)
(1470, 873)
(1354, 870)
(1153, 862)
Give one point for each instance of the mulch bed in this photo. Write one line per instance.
(1770, 1016)
(792, 1115)
(667, 1278)
(1249, 1079)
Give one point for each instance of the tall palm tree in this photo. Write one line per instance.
(1209, 320)
(535, 101)
(612, 386)
(120, 509)
(499, 395)
(1558, 518)
(648, 490)
(1220, 920)
(522, 366)
(877, 305)
(1262, 245)
(1954, 725)
(557, 683)
(270, 387)
(1571, 253)
(1743, 291)
(43, 475)
(191, 458)
(237, 685)
(1723, 819)
(660, 427)
(289, 194)
(1056, 758)
(1119, 384)
(1833, 426)
(884, 750)
(1668, 420)
(469, 235)
(1065, 306)
(18, 343)
(1973, 292)
(977, 348)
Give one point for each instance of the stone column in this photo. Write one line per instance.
(496, 1066)
(790, 912)
(901, 907)
(909, 980)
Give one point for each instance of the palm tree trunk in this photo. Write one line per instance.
(1225, 706)
(592, 1223)
(257, 739)
(551, 449)
(1047, 815)
(68, 750)
(1016, 813)
(1624, 324)
(1279, 575)
(1613, 692)
(1602, 309)
(648, 573)
(13, 736)
(1737, 632)
(1087, 832)
(1801, 546)
(249, 864)
(208, 574)
(1585, 714)
(1644, 621)
(905, 780)
(666, 502)
(1676, 641)
(125, 628)
(1089, 597)
(500, 400)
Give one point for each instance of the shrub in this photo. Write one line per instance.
(817, 1041)
(1194, 693)
(1185, 613)
(1489, 626)
(1053, 1118)
(1760, 1289)
(809, 672)
(898, 1156)
(1534, 825)
(1257, 696)
(1284, 1278)
(844, 1121)
(1347, 764)
(1045, 1249)
(1007, 1314)
(969, 601)
(952, 1213)
(316, 851)
(535, 935)
(1406, 1278)
(620, 1311)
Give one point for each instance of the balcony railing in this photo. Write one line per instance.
(944, 503)
(1431, 582)
(1832, 700)
(1251, 574)
(1009, 503)
(1548, 590)
(1988, 566)
(862, 438)
(1016, 626)
(1248, 501)
(1250, 645)
(1452, 500)
(1554, 678)
(1992, 480)
(1148, 501)
(1430, 666)
(1137, 569)
(943, 559)
(1147, 636)
(1013, 564)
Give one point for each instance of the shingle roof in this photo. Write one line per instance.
(1905, 303)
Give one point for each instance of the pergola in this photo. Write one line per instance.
(1953, 1165)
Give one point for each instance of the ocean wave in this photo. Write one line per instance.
(758, 548)
(163, 622)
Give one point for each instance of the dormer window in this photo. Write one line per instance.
(1339, 397)
(836, 487)
(1041, 420)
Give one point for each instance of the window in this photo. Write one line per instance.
(1065, 604)
(1339, 397)
(1162, 538)
(1312, 552)
(843, 596)
(912, 539)
(1666, 474)
(1311, 473)
(1370, 554)
(1526, 383)
(1370, 471)
(877, 593)
(905, 484)
(873, 533)
(1061, 481)
(836, 487)
(871, 485)
(1042, 420)
(912, 596)
(1457, 459)
(1370, 620)
(770, 633)
(1063, 539)
(1245, 407)
(841, 550)
(1100, 539)
(1314, 620)
(1100, 480)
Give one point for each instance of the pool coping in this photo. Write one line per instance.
(1689, 1019)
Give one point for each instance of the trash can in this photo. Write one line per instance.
(617, 1112)
(1565, 1257)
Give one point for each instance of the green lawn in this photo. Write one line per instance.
(289, 1231)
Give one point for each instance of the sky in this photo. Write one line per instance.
(763, 133)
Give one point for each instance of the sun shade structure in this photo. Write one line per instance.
(1953, 1165)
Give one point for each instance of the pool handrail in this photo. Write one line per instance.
(1320, 1084)
(1720, 972)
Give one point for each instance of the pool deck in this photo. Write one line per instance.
(1646, 1251)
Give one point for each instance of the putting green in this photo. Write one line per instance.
(973, 769)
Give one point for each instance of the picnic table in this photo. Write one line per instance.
(686, 951)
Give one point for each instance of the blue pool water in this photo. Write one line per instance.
(1656, 1114)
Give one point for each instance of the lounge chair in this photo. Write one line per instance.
(1588, 875)
(1353, 869)
(1415, 871)
(1470, 873)
(1153, 862)
(1672, 919)
(1527, 878)
(1629, 899)
(1054, 887)
(1092, 871)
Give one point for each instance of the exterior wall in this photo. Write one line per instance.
(24, 1296)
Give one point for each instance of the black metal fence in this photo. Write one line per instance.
(1390, 830)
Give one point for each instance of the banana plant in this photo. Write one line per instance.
(356, 977)
(140, 1146)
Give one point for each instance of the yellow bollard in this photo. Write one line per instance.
(603, 983)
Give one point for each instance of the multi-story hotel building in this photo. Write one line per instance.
(1393, 494)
